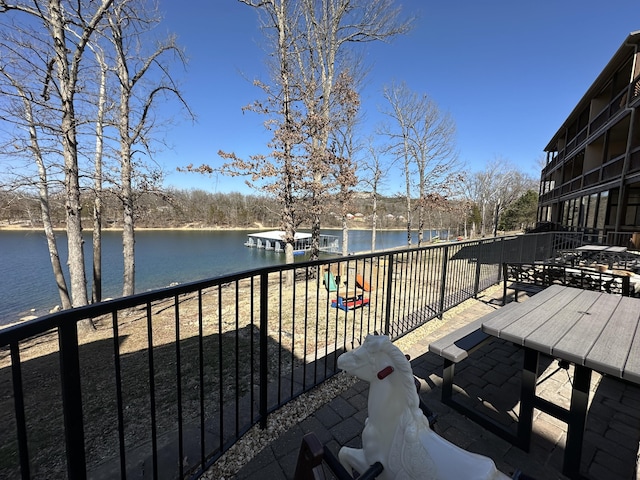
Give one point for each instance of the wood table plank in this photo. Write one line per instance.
(632, 367)
(610, 351)
(551, 332)
(591, 248)
(578, 341)
(552, 307)
(495, 324)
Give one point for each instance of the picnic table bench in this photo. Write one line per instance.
(454, 348)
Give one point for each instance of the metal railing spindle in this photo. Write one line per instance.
(152, 392)
(119, 399)
(179, 386)
(18, 401)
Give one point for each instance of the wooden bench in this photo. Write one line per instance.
(454, 348)
(534, 277)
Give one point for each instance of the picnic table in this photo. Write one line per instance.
(593, 330)
(603, 255)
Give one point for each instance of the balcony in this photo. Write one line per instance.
(171, 379)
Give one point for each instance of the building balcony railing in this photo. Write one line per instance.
(613, 169)
(634, 162)
(635, 91)
(618, 103)
(170, 379)
(606, 172)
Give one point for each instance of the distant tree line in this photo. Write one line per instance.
(195, 208)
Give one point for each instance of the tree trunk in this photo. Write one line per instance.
(345, 237)
(128, 234)
(315, 237)
(43, 196)
(73, 205)
(420, 223)
(96, 293)
(374, 221)
(407, 179)
(496, 219)
(52, 245)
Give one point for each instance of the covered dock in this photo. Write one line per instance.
(274, 240)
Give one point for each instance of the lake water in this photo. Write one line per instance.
(27, 285)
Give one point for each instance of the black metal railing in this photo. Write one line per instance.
(167, 381)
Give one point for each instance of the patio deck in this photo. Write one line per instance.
(612, 433)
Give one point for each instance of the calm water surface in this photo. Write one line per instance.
(27, 285)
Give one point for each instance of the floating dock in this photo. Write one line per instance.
(273, 240)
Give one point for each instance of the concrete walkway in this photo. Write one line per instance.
(490, 380)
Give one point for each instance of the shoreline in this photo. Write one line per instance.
(19, 228)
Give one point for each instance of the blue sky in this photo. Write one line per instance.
(509, 72)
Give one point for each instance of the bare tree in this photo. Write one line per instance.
(67, 30)
(96, 235)
(279, 172)
(494, 189)
(129, 22)
(373, 180)
(423, 138)
(72, 107)
(344, 147)
(330, 27)
(306, 39)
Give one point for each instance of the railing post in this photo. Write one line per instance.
(521, 248)
(387, 313)
(264, 342)
(72, 400)
(476, 286)
(443, 280)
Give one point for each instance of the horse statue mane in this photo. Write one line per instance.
(396, 433)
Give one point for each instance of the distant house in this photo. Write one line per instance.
(591, 181)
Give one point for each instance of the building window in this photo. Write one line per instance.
(568, 213)
(612, 211)
(575, 203)
(602, 210)
(632, 217)
(582, 204)
(591, 212)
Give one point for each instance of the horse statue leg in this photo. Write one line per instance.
(352, 459)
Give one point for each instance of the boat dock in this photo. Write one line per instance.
(273, 240)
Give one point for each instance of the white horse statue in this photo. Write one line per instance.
(396, 433)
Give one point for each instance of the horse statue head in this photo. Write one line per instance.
(396, 433)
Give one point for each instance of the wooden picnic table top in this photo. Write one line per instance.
(601, 248)
(594, 329)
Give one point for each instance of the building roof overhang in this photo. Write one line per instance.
(627, 47)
